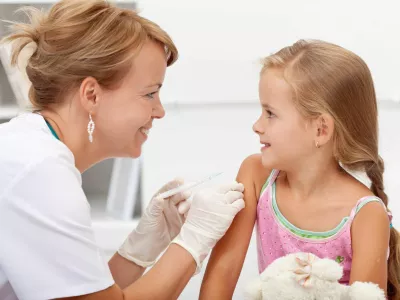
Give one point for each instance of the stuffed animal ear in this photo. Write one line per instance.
(253, 290)
(310, 268)
(327, 269)
(280, 266)
(365, 291)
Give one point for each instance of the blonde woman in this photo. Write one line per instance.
(319, 119)
(96, 72)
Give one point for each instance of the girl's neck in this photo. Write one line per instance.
(313, 179)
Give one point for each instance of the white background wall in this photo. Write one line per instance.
(230, 36)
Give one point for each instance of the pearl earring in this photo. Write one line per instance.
(90, 128)
(317, 144)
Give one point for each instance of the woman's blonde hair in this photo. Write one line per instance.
(326, 78)
(76, 39)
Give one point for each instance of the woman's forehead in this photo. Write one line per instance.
(149, 65)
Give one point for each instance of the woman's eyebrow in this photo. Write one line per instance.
(159, 85)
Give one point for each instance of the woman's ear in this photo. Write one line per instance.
(324, 128)
(89, 94)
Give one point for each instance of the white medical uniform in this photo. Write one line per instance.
(47, 243)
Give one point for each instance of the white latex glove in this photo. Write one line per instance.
(159, 225)
(209, 217)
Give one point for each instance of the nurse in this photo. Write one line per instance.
(96, 73)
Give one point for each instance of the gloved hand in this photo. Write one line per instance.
(209, 217)
(159, 225)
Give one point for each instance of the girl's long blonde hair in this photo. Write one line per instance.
(329, 79)
(76, 39)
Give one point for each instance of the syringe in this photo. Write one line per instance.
(187, 186)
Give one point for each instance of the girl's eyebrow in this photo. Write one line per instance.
(266, 105)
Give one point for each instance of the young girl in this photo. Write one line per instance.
(319, 117)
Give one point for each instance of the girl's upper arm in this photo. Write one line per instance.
(370, 243)
(228, 255)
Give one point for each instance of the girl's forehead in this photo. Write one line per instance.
(274, 90)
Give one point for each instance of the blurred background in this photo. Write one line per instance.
(211, 97)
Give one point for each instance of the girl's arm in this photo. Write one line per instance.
(370, 242)
(227, 258)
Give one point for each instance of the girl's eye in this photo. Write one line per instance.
(269, 113)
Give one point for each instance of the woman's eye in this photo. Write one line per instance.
(151, 95)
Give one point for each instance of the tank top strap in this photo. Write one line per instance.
(270, 180)
(365, 200)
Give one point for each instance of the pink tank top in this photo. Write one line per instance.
(274, 240)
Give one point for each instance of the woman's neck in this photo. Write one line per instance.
(72, 132)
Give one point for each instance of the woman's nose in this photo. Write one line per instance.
(159, 111)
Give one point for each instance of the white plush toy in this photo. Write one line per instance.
(304, 276)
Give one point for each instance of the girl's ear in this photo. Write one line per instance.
(324, 128)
